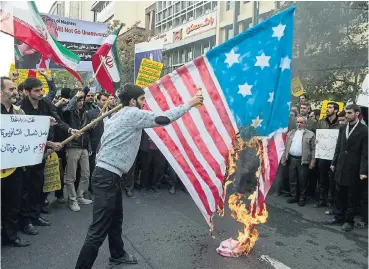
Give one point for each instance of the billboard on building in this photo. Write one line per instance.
(192, 28)
(81, 37)
(148, 50)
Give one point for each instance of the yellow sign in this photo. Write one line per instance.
(296, 87)
(323, 110)
(23, 75)
(148, 73)
(52, 174)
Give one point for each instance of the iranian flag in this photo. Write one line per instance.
(105, 63)
(22, 20)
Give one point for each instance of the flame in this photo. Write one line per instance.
(253, 215)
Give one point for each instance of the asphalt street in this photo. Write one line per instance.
(168, 232)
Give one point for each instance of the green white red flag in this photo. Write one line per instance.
(105, 63)
(22, 20)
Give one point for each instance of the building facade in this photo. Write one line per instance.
(73, 9)
(128, 12)
(187, 29)
(235, 17)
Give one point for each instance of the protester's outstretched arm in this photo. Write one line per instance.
(72, 103)
(50, 82)
(148, 119)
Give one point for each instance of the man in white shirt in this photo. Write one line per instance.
(299, 155)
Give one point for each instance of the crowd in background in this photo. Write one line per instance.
(341, 184)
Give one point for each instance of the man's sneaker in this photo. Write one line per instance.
(347, 227)
(83, 201)
(172, 190)
(61, 200)
(73, 205)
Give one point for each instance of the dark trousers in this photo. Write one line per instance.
(153, 166)
(347, 200)
(298, 175)
(172, 176)
(130, 177)
(92, 161)
(364, 200)
(281, 181)
(107, 218)
(11, 193)
(32, 186)
(62, 165)
(327, 184)
(312, 182)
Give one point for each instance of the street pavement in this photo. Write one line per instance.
(168, 232)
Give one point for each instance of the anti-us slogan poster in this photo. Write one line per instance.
(80, 37)
(23, 139)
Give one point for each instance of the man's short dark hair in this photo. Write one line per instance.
(65, 93)
(31, 83)
(335, 105)
(303, 95)
(304, 104)
(102, 94)
(20, 87)
(130, 91)
(342, 113)
(316, 112)
(2, 82)
(354, 107)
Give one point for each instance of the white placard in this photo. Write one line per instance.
(23, 139)
(363, 98)
(326, 140)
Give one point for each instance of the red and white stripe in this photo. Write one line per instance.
(197, 145)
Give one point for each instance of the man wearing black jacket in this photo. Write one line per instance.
(97, 131)
(350, 164)
(78, 152)
(34, 104)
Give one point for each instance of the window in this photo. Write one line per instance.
(245, 2)
(229, 32)
(229, 5)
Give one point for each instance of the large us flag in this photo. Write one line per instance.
(246, 87)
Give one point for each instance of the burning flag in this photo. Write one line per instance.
(246, 87)
(23, 21)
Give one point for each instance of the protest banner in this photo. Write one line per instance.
(326, 140)
(52, 174)
(25, 73)
(323, 110)
(80, 37)
(148, 73)
(296, 87)
(150, 50)
(23, 139)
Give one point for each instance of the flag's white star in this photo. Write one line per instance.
(262, 61)
(232, 58)
(245, 89)
(289, 104)
(285, 63)
(271, 97)
(279, 31)
(256, 122)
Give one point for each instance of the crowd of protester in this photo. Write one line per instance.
(22, 196)
(341, 184)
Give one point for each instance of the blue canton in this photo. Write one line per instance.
(254, 72)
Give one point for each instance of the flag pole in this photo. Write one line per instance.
(89, 126)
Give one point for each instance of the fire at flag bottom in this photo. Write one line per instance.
(245, 83)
